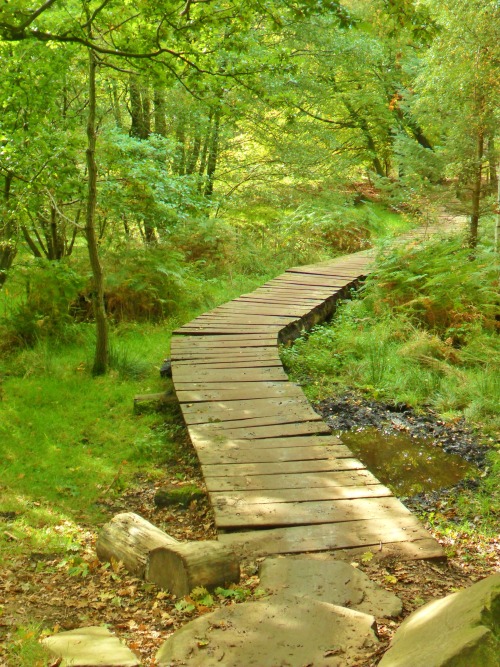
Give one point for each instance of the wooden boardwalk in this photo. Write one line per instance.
(279, 482)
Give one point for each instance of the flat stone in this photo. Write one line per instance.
(460, 630)
(90, 647)
(272, 633)
(329, 581)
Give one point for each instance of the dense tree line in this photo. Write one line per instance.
(123, 122)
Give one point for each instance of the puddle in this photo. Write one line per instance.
(408, 465)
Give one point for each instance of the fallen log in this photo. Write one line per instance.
(129, 538)
(183, 566)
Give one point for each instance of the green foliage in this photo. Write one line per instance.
(423, 331)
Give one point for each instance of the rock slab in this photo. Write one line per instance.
(329, 581)
(460, 630)
(272, 633)
(90, 647)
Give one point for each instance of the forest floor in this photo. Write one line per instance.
(41, 591)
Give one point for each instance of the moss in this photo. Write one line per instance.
(178, 495)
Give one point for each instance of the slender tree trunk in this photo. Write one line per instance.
(492, 165)
(146, 111)
(8, 245)
(370, 143)
(116, 106)
(159, 112)
(204, 153)
(138, 128)
(179, 166)
(497, 224)
(476, 191)
(213, 154)
(101, 351)
(195, 154)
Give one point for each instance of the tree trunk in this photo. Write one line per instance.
(159, 112)
(138, 128)
(8, 245)
(497, 224)
(116, 106)
(476, 191)
(146, 111)
(370, 144)
(492, 165)
(129, 538)
(204, 153)
(182, 567)
(194, 155)
(101, 351)
(179, 165)
(213, 154)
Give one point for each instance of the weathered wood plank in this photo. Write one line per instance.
(199, 374)
(242, 339)
(247, 408)
(248, 499)
(237, 319)
(299, 480)
(279, 470)
(225, 329)
(310, 512)
(225, 443)
(223, 343)
(293, 411)
(191, 393)
(221, 365)
(250, 422)
(216, 354)
(274, 455)
(204, 433)
(332, 537)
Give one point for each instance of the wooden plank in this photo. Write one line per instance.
(274, 455)
(258, 298)
(292, 281)
(259, 309)
(340, 274)
(222, 328)
(189, 393)
(232, 353)
(287, 496)
(250, 422)
(213, 432)
(299, 480)
(243, 339)
(314, 440)
(332, 537)
(219, 357)
(203, 343)
(276, 471)
(221, 365)
(200, 374)
(260, 408)
(310, 512)
(238, 319)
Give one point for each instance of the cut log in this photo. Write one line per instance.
(129, 538)
(181, 567)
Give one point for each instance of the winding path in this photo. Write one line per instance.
(279, 482)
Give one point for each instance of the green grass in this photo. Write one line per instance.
(65, 437)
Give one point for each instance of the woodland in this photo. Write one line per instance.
(158, 159)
